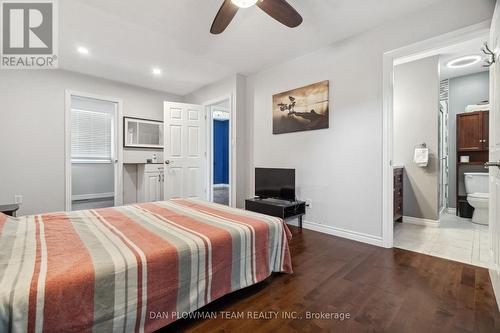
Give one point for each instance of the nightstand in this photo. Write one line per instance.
(283, 209)
(9, 209)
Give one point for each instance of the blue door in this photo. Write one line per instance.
(221, 152)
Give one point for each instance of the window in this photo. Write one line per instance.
(91, 133)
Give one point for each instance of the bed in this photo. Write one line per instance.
(134, 268)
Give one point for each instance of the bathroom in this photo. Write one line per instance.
(440, 142)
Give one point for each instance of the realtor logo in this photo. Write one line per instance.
(29, 34)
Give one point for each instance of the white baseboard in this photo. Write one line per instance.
(452, 211)
(495, 281)
(77, 197)
(419, 221)
(339, 232)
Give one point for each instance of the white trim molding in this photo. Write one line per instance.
(339, 232)
(420, 221)
(452, 211)
(95, 196)
(495, 279)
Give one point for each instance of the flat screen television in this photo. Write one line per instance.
(275, 183)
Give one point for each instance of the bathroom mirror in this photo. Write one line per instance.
(142, 133)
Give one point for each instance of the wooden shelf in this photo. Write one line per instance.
(473, 163)
(472, 150)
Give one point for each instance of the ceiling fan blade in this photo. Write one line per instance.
(225, 15)
(281, 11)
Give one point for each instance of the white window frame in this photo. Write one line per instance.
(117, 134)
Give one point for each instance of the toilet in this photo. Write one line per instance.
(477, 188)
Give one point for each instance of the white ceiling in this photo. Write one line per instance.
(126, 38)
(468, 48)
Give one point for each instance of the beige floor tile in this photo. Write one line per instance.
(455, 239)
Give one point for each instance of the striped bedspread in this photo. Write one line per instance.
(132, 268)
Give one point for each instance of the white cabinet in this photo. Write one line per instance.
(150, 182)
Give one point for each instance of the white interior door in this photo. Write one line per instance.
(185, 151)
(494, 217)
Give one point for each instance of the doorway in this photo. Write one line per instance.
(440, 232)
(220, 162)
(220, 151)
(93, 153)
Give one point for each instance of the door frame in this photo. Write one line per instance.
(391, 58)
(118, 133)
(232, 147)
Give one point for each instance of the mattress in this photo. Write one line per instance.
(131, 269)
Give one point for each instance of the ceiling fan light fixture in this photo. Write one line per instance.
(244, 3)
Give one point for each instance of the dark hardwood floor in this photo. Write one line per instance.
(383, 290)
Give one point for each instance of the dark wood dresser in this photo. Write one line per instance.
(398, 194)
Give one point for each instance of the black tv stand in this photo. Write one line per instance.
(284, 209)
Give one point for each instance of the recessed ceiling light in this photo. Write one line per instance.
(156, 71)
(463, 61)
(244, 3)
(82, 50)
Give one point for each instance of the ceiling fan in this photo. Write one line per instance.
(280, 10)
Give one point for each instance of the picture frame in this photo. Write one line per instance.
(302, 109)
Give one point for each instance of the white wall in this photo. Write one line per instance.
(236, 87)
(32, 131)
(340, 168)
(416, 107)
